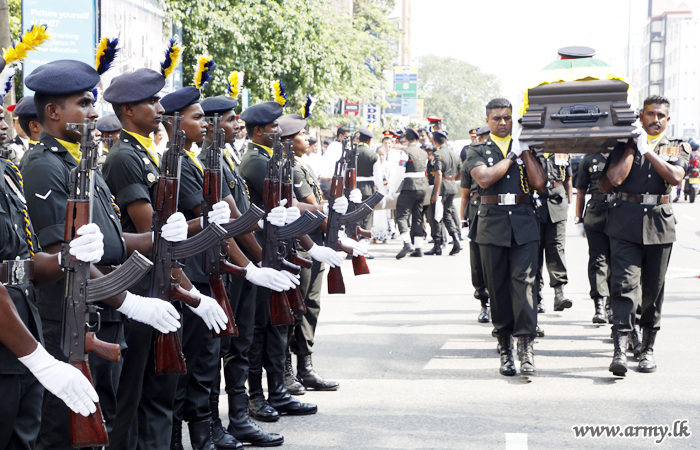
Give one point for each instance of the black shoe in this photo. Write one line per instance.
(417, 253)
(310, 378)
(223, 440)
(484, 314)
(290, 382)
(456, 248)
(431, 241)
(560, 301)
(608, 309)
(647, 363)
(600, 315)
(279, 398)
(436, 250)
(407, 248)
(506, 351)
(635, 341)
(368, 256)
(201, 435)
(261, 410)
(527, 362)
(619, 363)
(176, 437)
(540, 331)
(540, 307)
(245, 430)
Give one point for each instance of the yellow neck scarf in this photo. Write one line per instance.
(33, 142)
(146, 143)
(653, 141)
(194, 159)
(502, 143)
(73, 148)
(267, 149)
(228, 158)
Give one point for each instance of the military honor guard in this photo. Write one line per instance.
(25, 113)
(366, 178)
(446, 168)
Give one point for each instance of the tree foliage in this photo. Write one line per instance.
(304, 42)
(457, 91)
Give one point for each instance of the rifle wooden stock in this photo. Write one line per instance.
(231, 269)
(289, 267)
(359, 265)
(178, 293)
(280, 312)
(77, 215)
(336, 285)
(362, 232)
(296, 301)
(303, 262)
(105, 350)
(168, 354)
(218, 291)
(87, 431)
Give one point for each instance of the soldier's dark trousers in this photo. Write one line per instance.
(269, 343)
(144, 398)
(435, 227)
(448, 217)
(478, 279)
(510, 274)
(20, 411)
(242, 295)
(301, 339)
(367, 222)
(201, 352)
(552, 241)
(55, 423)
(638, 278)
(598, 263)
(409, 206)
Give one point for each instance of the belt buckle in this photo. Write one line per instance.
(16, 272)
(649, 199)
(506, 199)
(609, 197)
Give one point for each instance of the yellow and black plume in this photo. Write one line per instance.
(202, 71)
(235, 82)
(279, 93)
(32, 39)
(308, 108)
(172, 58)
(105, 54)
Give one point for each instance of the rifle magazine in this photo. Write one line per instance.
(126, 276)
(209, 237)
(243, 223)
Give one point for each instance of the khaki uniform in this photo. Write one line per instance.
(410, 201)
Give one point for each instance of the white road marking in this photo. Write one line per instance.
(689, 218)
(516, 441)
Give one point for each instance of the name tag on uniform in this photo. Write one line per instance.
(561, 159)
(15, 189)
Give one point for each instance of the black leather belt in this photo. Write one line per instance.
(602, 197)
(505, 199)
(644, 199)
(15, 272)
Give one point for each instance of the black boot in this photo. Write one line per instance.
(484, 316)
(259, 408)
(560, 301)
(608, 309)
(279, 398)
(201, 436)
(540, 331)
(245, 430)
(223, 440)
(527, 362)
(600, 315)
(619, 363)
(176, 437)
(506, 351)
(290, 380)
(407, 248)
(436, 250)
(647, 364)
(310, 379)
(456, 247)
(635, 341)
(417, 253)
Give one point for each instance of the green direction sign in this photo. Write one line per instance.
(407, 90)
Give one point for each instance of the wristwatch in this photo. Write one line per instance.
(577, 220)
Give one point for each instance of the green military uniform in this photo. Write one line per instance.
(20, 408)
(413, 190)
(477, 271)
(47, 185)
(456, 164)
(448, 163)
(595, 219)
(366, 159)
(642, 229)
(508, 239)
(144, 398)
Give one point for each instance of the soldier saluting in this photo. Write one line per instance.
(641, 227)
(507, 232)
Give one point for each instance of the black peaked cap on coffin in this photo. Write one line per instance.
(291, 124)
(262, 113)
(218, 105)
(133, 87)
(365, 132)
(25, 108)
(180, 99)
(62, 77)
(108, 124)
(411, 134)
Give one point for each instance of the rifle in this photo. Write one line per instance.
(336, 285)
(166, 255)
(214, 259)
(79, 292)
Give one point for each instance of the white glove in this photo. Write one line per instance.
(386, 197)
(220, 213)
(355, 196)
(210, 311)
(293, 214)
(357, 249)
(89, 246)
(269, 278)
(465, 233)
(62, 380)
(157, 313)
(581, 229)
(519, 147)
(570, 213)
(277, 216)
(325, 255)
(340, 205)
(175, 229)
(293, 278)
(641, 139)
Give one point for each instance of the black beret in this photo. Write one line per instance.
(366, 133)
(62, 77)
(108, 124)
(312, 140)
(291, 124)
(262, 113)
(218, 105)
(483, 131)
(442, 133)
(180, 99)
(133, 87)
(25, 108)
(411, 134)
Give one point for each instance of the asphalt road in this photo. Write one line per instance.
(417, 371)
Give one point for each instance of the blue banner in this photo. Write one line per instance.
(72, 26)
